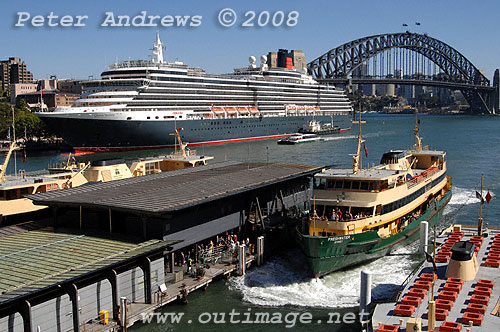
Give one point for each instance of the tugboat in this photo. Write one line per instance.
(315, 127)
(360, 215)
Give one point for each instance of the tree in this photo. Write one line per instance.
(23, 119)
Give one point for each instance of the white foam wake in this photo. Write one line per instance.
(284, 281)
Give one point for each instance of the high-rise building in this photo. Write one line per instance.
(13, 71)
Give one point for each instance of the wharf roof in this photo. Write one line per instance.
(34, 260)
(363, 174)
(166, 192)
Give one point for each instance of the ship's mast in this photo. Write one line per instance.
(13, 147)
(157, 50)
(418, 140)
(480, 220)
(356, 159)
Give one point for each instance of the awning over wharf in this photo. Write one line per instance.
(164, 193)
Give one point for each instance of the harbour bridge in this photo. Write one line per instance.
(407, 59)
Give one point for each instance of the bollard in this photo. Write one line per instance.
(260, 250)
(365, 297)
(424, 237)
(123, 313)
(241, 259)
(432, 315)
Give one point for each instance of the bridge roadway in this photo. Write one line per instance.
(396, 81)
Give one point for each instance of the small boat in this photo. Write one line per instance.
(315, 127)
(299, 138)
(14, 188)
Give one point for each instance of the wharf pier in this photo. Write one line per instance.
(465, 292)
(121, 244)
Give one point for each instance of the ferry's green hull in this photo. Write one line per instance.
(327, 254)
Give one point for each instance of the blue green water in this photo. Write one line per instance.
(282, 286)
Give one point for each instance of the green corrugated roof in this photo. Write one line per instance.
(34, 260)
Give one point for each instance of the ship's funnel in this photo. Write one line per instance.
(463, 263)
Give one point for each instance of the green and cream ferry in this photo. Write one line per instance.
(362, 214)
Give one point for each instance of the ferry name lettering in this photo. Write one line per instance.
(339, 239)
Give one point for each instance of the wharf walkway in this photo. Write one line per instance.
(176, 291)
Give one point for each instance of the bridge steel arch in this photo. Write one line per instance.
(340, 62)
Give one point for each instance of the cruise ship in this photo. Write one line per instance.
(136, 104)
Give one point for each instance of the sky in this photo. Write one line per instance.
(471, 27)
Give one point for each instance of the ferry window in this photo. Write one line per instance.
(129, 118)
(338, 184)
(347, 184)
(330, 183)
(364, 186)
(370, 185)
(148, 117)
(355, 185)
(157, 117)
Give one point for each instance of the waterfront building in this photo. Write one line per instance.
(14, 71)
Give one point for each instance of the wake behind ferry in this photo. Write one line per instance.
(136, 103)
(362, 214)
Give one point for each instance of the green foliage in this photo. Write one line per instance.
(23, 119)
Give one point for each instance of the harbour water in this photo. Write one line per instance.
(282, 286)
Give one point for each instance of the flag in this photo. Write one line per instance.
(478, 196)
(429, 259)
(417, 23)
(488, 197)
(418, 121)
(405, 25)
(24, 159)
(366, 151)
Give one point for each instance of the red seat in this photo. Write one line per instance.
(388, 328)
(472, 316)
(418, 292)
(476, 308)
(479, 299)
(452, 287)
(482, 291)
(485, 283)
(456, 280)
(441, 314)
(411, 300)
(427, 277)
(444, 304)
(447, 295)
(492, 262)
(422, 284)
(450, 327)
(404, 310)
